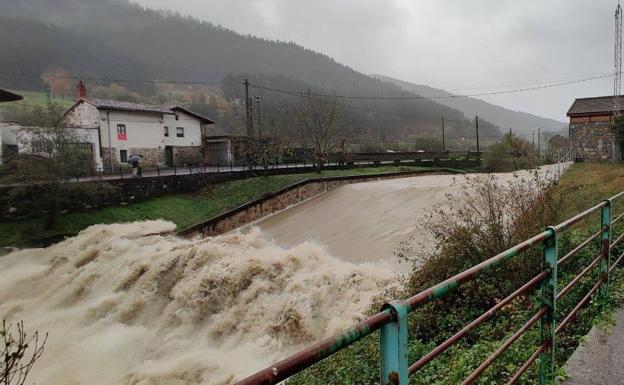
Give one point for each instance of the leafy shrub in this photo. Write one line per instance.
(511, 154)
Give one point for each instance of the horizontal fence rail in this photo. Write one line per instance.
(391, 321)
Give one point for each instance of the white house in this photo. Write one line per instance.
(162, 135)
(113, 130)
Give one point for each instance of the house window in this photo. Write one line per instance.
(180, 132)
(123, 155)
(166, 131)
(177, 117)
(121, 132)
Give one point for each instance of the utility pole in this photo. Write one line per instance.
(533, 140)
(477, 128)
(257, 98)
(251, 121)
(539, 142)
(247, 109)
(443, 143)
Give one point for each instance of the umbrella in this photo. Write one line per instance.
(134, 158)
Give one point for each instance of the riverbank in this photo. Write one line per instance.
(581, 187)
(182, 209)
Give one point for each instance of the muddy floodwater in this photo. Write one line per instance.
(366, 222)
(132, 304)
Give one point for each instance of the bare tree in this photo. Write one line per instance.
(19, 353)
(58, 82)
(323, 126)
(270, 142)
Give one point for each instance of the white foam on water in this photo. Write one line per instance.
(129, 304)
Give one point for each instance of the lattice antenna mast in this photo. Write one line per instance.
(617, 79)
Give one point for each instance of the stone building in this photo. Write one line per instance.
(162, 135)
(592, 137)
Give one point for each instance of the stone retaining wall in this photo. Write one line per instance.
(284, 198)
(187, 155)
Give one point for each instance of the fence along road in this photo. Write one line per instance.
(392, 319)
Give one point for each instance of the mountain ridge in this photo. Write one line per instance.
(522, 122)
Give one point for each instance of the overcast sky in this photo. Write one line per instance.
(467, 46)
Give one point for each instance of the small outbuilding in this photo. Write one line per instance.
(592, 137)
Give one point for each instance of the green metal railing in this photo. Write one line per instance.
(392, 319)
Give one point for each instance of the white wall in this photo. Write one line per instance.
(84, 115)
(192, 130)
(9, 131)
(143, 130)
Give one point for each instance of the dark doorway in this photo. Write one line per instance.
(169, 156)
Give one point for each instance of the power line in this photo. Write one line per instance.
(299, 93)
(518, 83)
(517, 90)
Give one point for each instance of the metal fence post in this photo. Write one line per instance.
(548, 322)
(393, 348)
(605, 262)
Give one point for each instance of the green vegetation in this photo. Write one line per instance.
(466, 243)
(13, 111)
(183, 210)
(512, 153)
(34, 99)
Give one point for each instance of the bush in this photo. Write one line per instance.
(511, 154)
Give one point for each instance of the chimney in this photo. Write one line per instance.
(81, 90)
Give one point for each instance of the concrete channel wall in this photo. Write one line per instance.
(288, 196)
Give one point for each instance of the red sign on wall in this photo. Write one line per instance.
(122, 136)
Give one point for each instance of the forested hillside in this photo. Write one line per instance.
(116, 42)
(519, 121)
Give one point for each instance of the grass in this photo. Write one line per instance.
(31, 99)
(587, 184)
(183, 210)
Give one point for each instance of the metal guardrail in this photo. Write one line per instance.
(392, 319)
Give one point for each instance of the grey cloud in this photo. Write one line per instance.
(443, 43)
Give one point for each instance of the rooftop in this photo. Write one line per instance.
(117, 105)
(592, 106)
(7, 96)
(200, 117)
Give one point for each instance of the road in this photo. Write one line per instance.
(187, 170)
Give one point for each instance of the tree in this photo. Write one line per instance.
(512, 153)
(558, 145)
(55, 154)
(323, 126)
(118, 92)
(270, 141)
(58, 82)
(19, 353)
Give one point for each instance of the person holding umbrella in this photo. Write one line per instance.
(134, 160)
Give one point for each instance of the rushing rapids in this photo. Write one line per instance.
(133, 304)
(130, 304)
